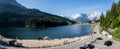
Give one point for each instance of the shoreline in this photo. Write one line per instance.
(92, 30)
(92, 26)
(47, 43)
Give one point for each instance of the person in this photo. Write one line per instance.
(40, 38)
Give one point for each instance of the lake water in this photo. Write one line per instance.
(52, 33)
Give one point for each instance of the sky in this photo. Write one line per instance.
(69, 7)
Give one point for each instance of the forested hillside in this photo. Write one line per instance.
(112, 20)
(17, 16)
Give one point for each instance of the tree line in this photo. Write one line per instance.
(112, 19)
(17, 17)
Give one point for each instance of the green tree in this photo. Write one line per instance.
(102, 20)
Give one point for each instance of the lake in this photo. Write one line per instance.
(52, 32)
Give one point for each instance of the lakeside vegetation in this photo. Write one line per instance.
(116, 34)
(112, 20)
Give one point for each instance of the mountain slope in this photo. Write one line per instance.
(12, 14)
(10, 4)
(111, 21)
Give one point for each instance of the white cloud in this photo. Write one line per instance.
(75, 16)
(93, 15)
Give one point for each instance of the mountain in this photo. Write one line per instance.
(94, 16)
(85, 17)
(10, 4)
(80, 17)
(13, 14)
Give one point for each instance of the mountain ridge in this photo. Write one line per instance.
(16, 15)
(11, 2)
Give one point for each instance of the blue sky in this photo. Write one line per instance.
(68, 7)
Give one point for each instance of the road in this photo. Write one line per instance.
(100, 43)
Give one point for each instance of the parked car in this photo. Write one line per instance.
(99, 38)
(88, 46)
(108, 43)
(94, 32)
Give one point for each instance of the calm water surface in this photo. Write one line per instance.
(52, 33)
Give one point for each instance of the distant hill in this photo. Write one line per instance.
(13, 14)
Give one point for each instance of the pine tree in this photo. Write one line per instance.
(102, 20)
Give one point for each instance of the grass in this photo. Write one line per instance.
(100, 30)
(116, 34)
(116, 39)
